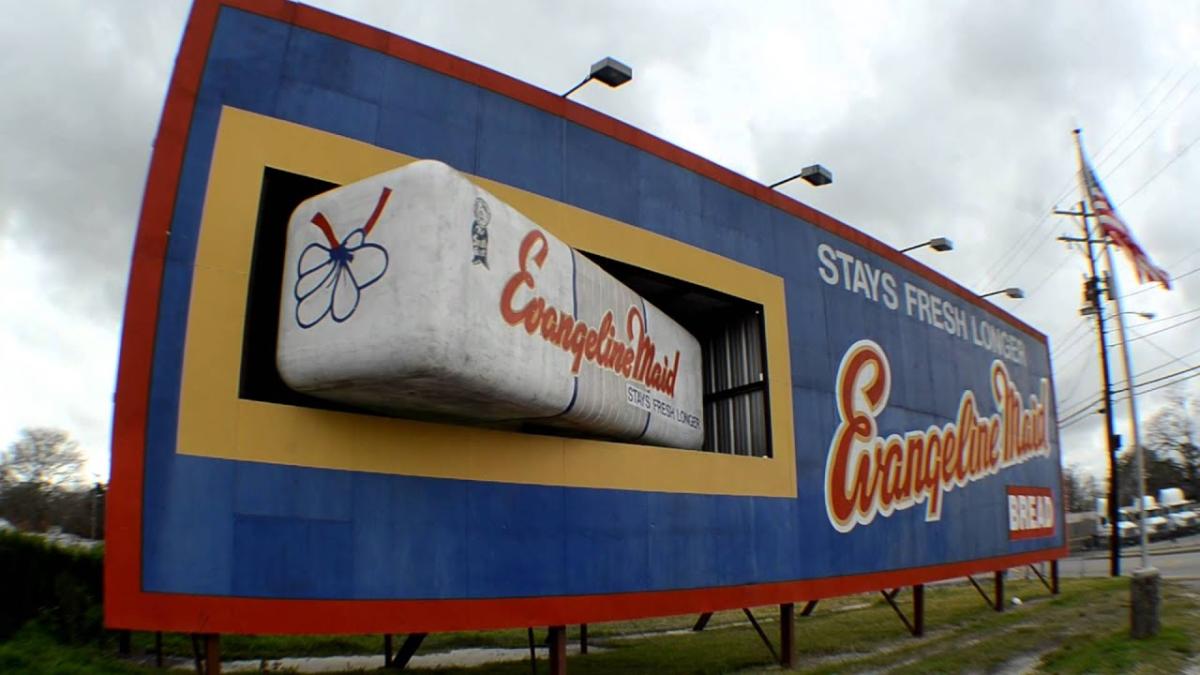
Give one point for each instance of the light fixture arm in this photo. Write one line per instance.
(572, 90)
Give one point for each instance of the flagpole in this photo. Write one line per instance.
(1115, 296)
(1144, 593)
(1114, 536)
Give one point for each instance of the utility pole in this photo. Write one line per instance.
(1092, 294)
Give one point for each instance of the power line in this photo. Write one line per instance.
(1163, 330)
(1081, 415)
(1101, 155)
(997, 268)
(1084, 409)
(1069, 339)
(1151, 288)
(1158, 173)
(1057, 267)
(1160, 319)
(1078, 380)
(1173, 357)
(1112, 170)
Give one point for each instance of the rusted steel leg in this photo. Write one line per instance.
(558, 650)
(702, 621)
(787, 635)
(918, 610)
(532, 653)
(212, 654)
(763, 636)
(999, 593)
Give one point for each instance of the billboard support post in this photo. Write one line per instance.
(387, 650)
(919, 610)
(557, 647)
(701, 622)
(532, 653)
(212, 654)
(583, 638)
(1054, 577)
(787, 634)
(998, 594)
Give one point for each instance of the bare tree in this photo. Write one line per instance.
(1079, 489)
(35, 472)
(44, 457)
(1172, 431)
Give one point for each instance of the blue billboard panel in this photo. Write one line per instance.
(854, 420)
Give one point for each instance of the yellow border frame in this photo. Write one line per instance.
(215, 422)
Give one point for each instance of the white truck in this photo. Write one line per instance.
(1127, 530)
(1181, 513)
(1155, 517)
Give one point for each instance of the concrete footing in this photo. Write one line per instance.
(1144, 600)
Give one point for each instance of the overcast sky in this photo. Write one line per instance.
(937, 119)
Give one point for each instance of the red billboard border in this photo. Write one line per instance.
(128, 606)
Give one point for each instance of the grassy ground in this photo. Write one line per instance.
(1083, 630)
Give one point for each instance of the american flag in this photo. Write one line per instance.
(1114, 228)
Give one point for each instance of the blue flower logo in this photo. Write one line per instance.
(330, 279)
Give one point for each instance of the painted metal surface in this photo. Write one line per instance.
(219, 522)
(417, 291)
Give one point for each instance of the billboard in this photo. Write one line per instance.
(348, 399)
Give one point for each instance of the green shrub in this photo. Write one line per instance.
(62, 586)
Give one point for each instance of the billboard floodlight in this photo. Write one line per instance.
(815, 174)
(939, 244)
(607, 70)
(1012, 292)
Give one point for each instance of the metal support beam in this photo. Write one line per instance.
(787, 635)
(987, 599)
(762, 635)
(158, 652)
(123, 642)
(890, 596)
(583, 638)
(1054, 577)
(702, 622)
(196, 655)
(1041, 577)
(558, 650)
(407, 650)
(808, 608)
(387, 650)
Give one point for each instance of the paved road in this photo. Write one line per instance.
(1179, 559)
